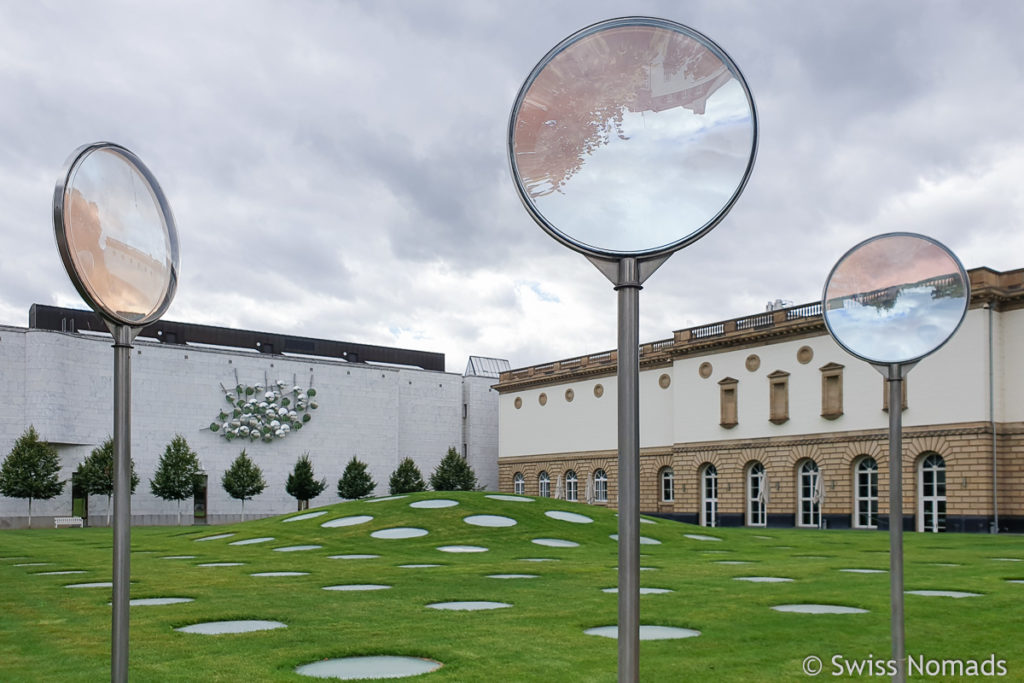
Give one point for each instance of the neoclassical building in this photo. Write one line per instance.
(765, 421)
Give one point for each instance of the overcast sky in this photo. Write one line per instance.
(338, 169)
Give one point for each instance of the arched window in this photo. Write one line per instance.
(544, 485)
(600, 486)
(571, 486)
(757, 495)
(809, 488)
(709, 496)
(668, 484)
(865, 493)
(519, 484)
(931, 494)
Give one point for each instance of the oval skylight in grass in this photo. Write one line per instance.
(296, 548)
(381, 500)
(644, 540)
(214, 537)
(643, 591)
(864, 571)
(944, 594)
(462, 549)
(434, 503)
(732, 562)
(469, 605)
(647, 632)
(540, 559)
(512, 576)
(215, 628)
(252, 541)
(819, 609)
(280, 574)
(34, 564)
(400, 532)
(555, 542)
(66, 571)
(347, 521)
(1007, 559)
(178, 557)
(573, 517)
(358, 587)
(308, 515)
(373, 667)
(1015, 580)
(221, 564)
(356, 556)
(702, 537)
(762, 579)
(93, 584)
(643, 520)
(490, 521)
(510, 499)
(945, 564)
(144, 602)
(425, 565)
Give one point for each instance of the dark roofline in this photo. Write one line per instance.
(59, 319)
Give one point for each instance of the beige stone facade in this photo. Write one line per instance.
(953, 405)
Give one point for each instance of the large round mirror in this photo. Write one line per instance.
(633, 136)
(895, 298)
(116, 235)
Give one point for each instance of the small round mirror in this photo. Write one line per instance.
(116, 235)
(895, 298)
(632, 137)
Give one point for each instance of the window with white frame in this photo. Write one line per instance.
(544, 485)
(931, 497)
(668, 481)
(600, 486)
(866, 494)
(709, 496)
(809, 487)
(519, 484)
(571, 486)
(757, 495)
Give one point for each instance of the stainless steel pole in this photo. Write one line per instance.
(122, 503)
(899, 653)
(628, 287)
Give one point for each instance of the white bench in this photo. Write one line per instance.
(58, 522)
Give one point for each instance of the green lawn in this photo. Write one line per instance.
(49, 632)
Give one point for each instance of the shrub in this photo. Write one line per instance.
(243, 480)
(453, 473)
(407, 478)
(302, 484)
(355, 481)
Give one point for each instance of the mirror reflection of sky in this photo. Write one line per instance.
(670, 175)
(916, 322)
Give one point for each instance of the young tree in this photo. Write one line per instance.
(176, 473)
(243, 480)
(355, 481)
(453, 473)
(30, 470)
(407, 478)
(96, 473)
(302, 484)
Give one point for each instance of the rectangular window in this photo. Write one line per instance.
(831, 391)
(778, 383)
(727, 397)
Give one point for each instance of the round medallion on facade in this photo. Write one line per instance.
(664, 381)
(804, 355)
(542, 399)
(569, 395)
(598, 390)
(753, 362)
(705, 370)
(518, 403)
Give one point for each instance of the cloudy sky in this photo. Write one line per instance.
(338, 169)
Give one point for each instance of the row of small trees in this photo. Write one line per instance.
(32, 467)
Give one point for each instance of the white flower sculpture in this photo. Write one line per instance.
(274, 415)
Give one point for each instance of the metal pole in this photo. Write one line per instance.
(628, 287)
(899, 653)
(122, 503)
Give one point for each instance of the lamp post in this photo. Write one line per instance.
(890, 301)
(117, 240)
(630, 140)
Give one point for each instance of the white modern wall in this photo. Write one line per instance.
(62, 384)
